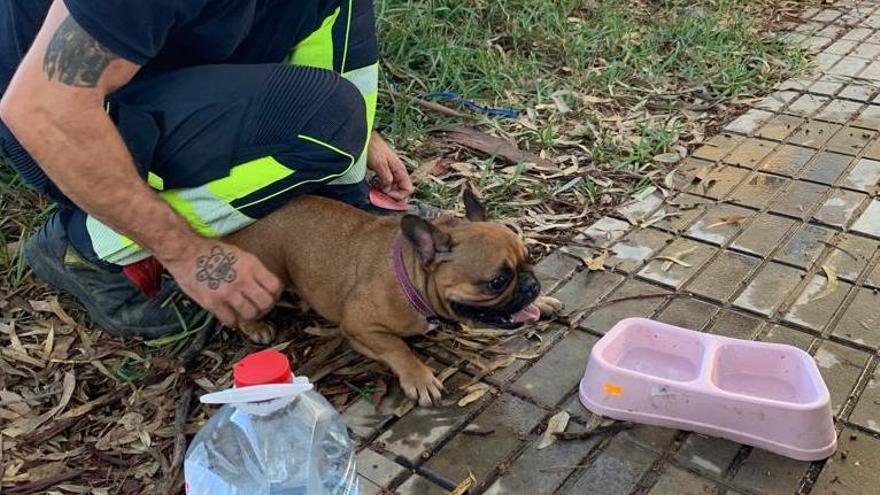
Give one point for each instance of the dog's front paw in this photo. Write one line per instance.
(259, 332)
(421, 385)
(550, 307)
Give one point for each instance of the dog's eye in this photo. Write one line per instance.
(498, 283)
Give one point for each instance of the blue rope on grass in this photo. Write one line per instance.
(493, 112)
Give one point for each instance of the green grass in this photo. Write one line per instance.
(523, 50)
(22, 211)
(660, 56)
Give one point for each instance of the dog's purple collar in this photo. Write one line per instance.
(406, 286)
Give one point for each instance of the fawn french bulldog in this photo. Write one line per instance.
(382, 279)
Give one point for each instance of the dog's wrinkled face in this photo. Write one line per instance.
(479, 269)
(488, 279)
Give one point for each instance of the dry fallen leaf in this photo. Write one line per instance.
(28, 425)
(41, 306)
(14, 402)
(658, 218)
(671, 260)
(677, 259)
(478, 140)
(559, 100)
(597, 263)
(49, 344)
(500, 363)
(557, 424)
(669, 180)
(668, 158)
(62, 315)
(430, 168)
(475, 393)
(318, 331)
(729, 220)
(830, 284)
(465, 485)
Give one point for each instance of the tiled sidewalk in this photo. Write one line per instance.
(762, 216)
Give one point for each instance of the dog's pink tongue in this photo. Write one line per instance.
(530, 314)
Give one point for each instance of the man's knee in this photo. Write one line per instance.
(313, 104)
(313, 123)
(341, 123)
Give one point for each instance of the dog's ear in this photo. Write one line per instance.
(427, 239)
(474, 210)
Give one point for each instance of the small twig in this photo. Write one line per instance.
(428, 105)
(634, 298)
(598, 431)
(43, 484)
(180, 417)
(187, 356)
(844, 251)
(478, 433)
(109, 459)
(2, 461)
(50, 431)
(569, 467)
(160, 459)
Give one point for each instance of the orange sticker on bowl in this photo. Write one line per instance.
(613, 389)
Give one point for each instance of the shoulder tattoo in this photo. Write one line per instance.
(74, 58)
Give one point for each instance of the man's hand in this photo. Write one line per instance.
(227, 281)
(391, 173)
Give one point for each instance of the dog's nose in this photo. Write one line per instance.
(528, 284)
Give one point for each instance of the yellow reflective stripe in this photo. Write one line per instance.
(370, 101)
(205, 208)
(105, 240)
(366, 78)
(347, 31)
(326, 145)
(204, 211)
(317, 49)
(248, 178)
(310, 181)
(354, 174)
(188, 211)
(114, 247)
(155, 181)
(128, 255)
(111, 246)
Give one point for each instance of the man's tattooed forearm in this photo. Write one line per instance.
(216, 268)
(74, 58)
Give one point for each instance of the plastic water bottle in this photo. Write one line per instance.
(274, 435)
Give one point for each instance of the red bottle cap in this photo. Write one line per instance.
(262, 368)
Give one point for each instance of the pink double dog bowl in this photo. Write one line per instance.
(756, 393)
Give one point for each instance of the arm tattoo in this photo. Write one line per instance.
(216, 268)
(75, 58)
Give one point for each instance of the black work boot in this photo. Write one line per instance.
(111, 299)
